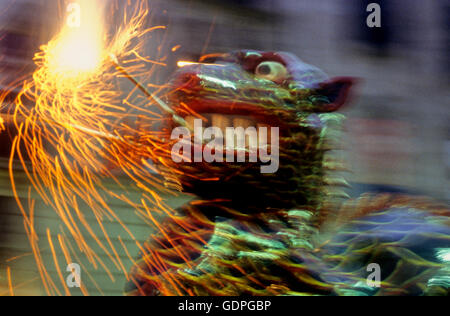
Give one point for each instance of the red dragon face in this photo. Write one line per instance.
(255, 89)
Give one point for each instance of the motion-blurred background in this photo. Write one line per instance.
(397, 136)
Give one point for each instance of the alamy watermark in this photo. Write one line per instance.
(74, 278)
(74, 15)
(374, 18)
(234, 144)
(374, 278)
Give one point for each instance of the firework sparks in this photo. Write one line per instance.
(71, 122)
(78, 49)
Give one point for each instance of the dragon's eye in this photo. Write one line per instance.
(272, 71)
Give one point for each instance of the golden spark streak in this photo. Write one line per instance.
(10, 283)
(163, 106)
(182, 64)
(75, 124)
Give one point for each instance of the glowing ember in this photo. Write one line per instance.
(79, 47)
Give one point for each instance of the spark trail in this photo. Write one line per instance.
(74, 133)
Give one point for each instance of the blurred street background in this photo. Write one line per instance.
(397, 135)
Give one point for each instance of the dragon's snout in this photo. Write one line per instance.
(261, 85)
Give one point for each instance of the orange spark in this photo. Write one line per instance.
(10, 283)
(76, 125)
(182, 64)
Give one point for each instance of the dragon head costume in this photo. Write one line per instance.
(280, 233)
(253, 89)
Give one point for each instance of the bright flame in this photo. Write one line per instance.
(80, 48)
(76, 52)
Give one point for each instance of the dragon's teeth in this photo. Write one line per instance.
(242, 122)
(241, 138)
(220, 121)
(265, 133)
(190, 121)
(260, 139)
(252, 141)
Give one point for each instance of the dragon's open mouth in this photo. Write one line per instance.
(246, 111)
(226, 123)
